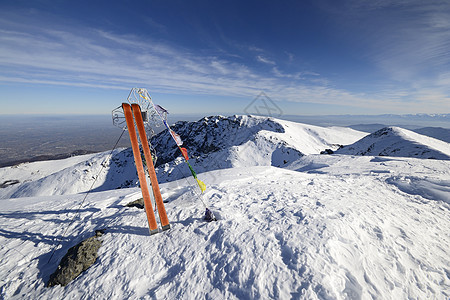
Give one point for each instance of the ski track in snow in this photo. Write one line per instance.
(333, 227)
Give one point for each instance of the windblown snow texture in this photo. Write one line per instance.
(319, 227)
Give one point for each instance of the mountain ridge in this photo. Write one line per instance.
(398, 142)
(215, 142)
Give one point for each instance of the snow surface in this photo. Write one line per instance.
(321, 227)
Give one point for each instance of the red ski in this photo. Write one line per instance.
(151, 169)
(140, 168)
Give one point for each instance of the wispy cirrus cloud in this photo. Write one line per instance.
(101, 59)
(265, 60)
(409, 40)
(118, 60)
(298, 75)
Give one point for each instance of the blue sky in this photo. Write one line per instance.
(205, 57)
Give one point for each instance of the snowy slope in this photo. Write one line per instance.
(213, 143)
(399, 142)
(332, 227)
(70, 176)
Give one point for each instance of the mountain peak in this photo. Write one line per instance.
(211, 134)
(400, 142)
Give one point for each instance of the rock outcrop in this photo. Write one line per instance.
(77, 260)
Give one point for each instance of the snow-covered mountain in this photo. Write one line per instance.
(315, 227)
(239, 141)
(228, 135)
(398, 142)
(213, 143)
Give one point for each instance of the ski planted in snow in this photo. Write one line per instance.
(151, 169)
(140, 168)
(145, 113)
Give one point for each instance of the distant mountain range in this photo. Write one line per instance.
(37, 138)
(213, 143)
(409, 121)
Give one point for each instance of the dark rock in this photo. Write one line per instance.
(327, 151)
(8, 183)
(77, 260)
(139, 203)
(100, 232)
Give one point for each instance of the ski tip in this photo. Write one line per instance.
(166, 227)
